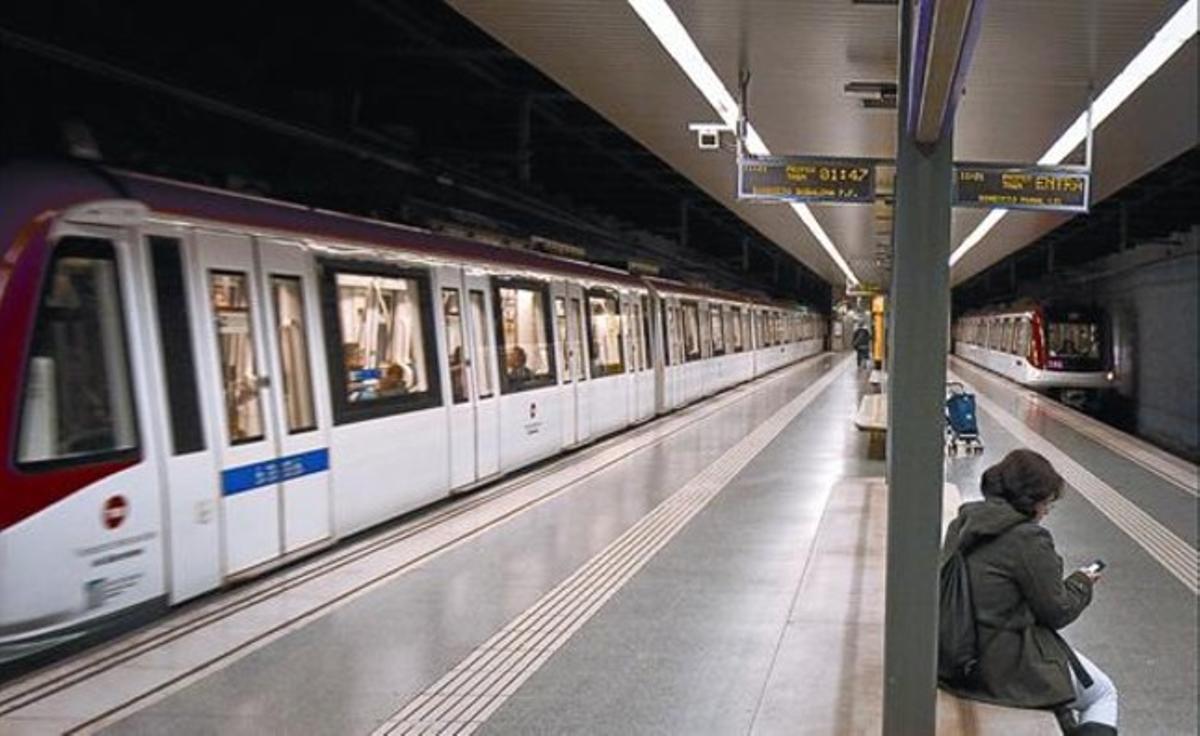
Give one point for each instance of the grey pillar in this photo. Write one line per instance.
(920, 303)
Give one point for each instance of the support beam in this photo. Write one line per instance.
(920, 303)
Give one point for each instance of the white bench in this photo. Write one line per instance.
(878, 378)
(872, 417)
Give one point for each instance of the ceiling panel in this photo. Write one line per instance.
(1029, 79)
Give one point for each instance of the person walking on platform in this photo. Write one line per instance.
(1021, 599)
(861, 342)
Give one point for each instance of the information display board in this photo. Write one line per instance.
(806, 179)
(1021, 187)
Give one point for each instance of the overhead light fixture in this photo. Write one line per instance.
(1177, 31)
(665, 26)
(873, 95)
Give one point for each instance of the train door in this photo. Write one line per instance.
(566, 367)
(461, 418)
(271, 434)
(576, 304)
(190, 464)
(629, 378)
(301, 412)
(483, 372)
(655, 309)
(473, 418)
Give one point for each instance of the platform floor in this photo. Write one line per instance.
(662, 581)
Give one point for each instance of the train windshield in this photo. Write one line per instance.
(1074, 340)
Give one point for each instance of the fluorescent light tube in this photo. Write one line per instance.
(1177, 31)
(665, 26)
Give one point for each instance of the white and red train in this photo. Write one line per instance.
(1062, 350)
(198, 386)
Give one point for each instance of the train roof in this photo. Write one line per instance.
(1048, 308)
(29, 189)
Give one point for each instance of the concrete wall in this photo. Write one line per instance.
(1153, 297)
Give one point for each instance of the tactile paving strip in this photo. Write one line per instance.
(465, 697)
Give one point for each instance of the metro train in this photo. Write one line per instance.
(200, 386)
(1062, 350)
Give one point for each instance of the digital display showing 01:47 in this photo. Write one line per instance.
(790, 178)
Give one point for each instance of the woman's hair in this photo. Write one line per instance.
(1023, 479)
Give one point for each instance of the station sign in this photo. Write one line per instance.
(806, 179)
(1061, 189)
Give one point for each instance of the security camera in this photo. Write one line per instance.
(708, 135)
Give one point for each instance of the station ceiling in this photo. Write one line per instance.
(1030, 77)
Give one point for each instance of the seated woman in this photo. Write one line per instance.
(1021, 600)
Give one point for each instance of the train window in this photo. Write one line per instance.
(560, 324)
(290, 327)
(1023, 334)
(229, 292)
(484, 361)
(456, 345)
(576, 352)
(671, 344)
(377, 318)
(175, 338)
(635, 338)
(383, 346)
(646, 331)
(632, 320)
(524, 336)
(678, 350)
(735, 330)
(717, 323)
(1073, 340)
(691, 330)
(604, 330)
(78, 402)
(1006, 336)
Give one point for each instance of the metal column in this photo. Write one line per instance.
(920, 300)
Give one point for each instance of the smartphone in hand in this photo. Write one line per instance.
(1093, 569)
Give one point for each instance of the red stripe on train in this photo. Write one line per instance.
(24, 494)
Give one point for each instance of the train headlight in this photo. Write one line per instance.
(1110, 375)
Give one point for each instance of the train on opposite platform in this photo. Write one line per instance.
(1065, 351)
(199, 386)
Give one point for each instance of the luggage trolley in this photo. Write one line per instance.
(962, 429)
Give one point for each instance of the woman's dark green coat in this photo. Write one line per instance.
(1021, 600)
